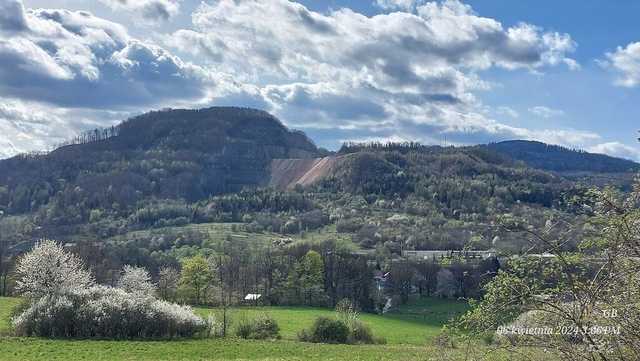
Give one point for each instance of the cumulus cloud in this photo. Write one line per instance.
(153, 10)
(406, 5)
(409, 74)
(545, 112)
(286, 38)
(75, 59)
(617, 149)
(12, 16)
(626, 62)
(28, 126)
(388, 74)
(64, 71)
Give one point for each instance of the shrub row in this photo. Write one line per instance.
(106, 312)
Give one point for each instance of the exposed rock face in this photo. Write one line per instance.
(286, 173)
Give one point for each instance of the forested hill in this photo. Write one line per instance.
(187, 154)
(193, 155)
(561, 159)
(177, 168)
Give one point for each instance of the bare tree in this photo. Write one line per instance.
(168, 281)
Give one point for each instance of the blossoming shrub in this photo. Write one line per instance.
(50, 269)
(106, 312)
(137, 280)
(63, 301)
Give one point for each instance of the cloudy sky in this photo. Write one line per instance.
(447, 72)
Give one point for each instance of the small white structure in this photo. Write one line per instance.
(252, 297)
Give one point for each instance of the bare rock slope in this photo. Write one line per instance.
(286, 173)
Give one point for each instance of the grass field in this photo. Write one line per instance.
(6, 306)
(415, 324)
(409, 337)
(218, 232)
(14, 349)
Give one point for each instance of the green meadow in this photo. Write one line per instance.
(409, 333)
(414, 324)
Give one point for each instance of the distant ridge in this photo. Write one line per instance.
(560, 159)
(192, 155)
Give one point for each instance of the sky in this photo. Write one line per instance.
(439, 72)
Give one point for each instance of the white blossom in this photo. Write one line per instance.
(64, 302)
(48, 269)
(107, 312)
(137, 280)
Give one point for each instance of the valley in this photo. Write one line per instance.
(215, 205)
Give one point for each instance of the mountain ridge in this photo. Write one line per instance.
(194, 154)
(175, 168)
(558, 158)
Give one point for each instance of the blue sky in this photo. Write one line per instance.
(454, 72)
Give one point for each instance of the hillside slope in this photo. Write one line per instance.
(172, 154)
(560, 159)
(232, 165)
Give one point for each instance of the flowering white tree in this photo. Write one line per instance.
(65, 302)
(137, 280)
(49, 270)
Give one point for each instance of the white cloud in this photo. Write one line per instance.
(402, 75)
(12, 16)
(32, 126)
(152, 10)
(626, 62)
(546, 112)
(381, 74)
(508, 111)
(65, 71)
(74, 59)
(617, 149)
(405, 5)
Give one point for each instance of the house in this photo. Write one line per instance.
(252, 298)
(380, 278)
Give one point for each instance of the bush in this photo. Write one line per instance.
(444, 340)
(244, 328)
(347, 312)
(105, 312)
(326, 330)
(360, 333)
(213, 327)
(261, 328)
(350, 225)
(63, 302)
